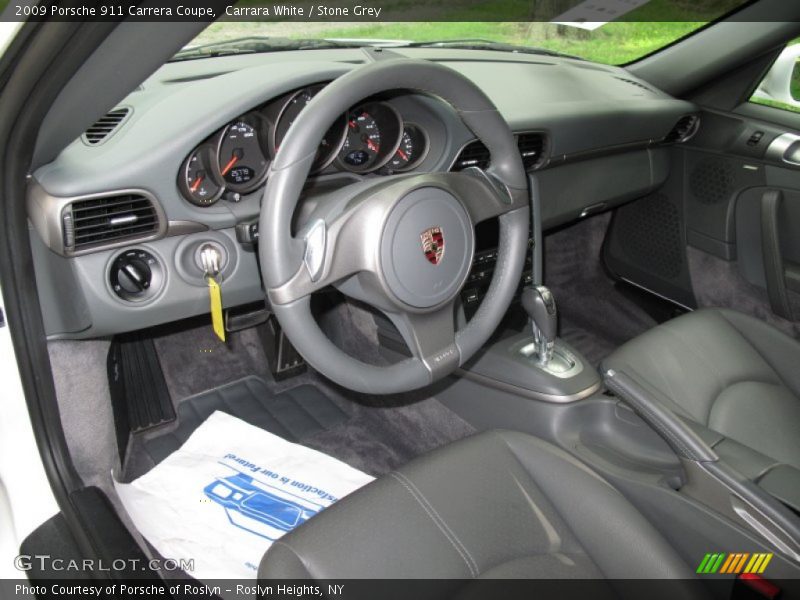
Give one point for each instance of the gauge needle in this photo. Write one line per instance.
(402, 154)
(196, 183)
(372, 145)
(230, 164)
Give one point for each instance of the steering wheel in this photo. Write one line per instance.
(403, 244)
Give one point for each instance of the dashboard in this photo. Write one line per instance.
(120, 217)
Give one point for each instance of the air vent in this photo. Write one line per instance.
(638, 84)
(684, 129)
(108, 219)
(474, 154)
(105, 126)
(531, 148)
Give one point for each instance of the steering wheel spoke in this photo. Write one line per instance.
(430, 337)
(334, 249)
(485, 196)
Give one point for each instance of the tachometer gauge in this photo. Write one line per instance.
(197, 180)
(241, 160)
(373, 134)
(412, 149)
(331, 141)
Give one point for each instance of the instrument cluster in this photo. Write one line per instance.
(371, 137)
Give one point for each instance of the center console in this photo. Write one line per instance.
(483, 263)
(531, 361)
(535, 363)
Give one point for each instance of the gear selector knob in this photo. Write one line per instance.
(540, 305)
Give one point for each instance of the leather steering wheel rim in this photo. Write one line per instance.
(337, 249)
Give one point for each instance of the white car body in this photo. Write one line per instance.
(26, 499)
(777, 84)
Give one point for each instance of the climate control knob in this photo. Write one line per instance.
(135, 275)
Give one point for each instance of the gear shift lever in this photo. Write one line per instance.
(540, 305)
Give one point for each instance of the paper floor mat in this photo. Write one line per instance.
(229, 492)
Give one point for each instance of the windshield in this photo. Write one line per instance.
(647, 28)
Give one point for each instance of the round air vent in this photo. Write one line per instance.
(684, 129)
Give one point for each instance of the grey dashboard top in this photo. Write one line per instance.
(581, 107)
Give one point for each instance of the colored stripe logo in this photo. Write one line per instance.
(734, 563)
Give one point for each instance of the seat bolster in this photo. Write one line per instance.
(763, 416)
(726, 371)
(598, 515)
(283, 560)
(693, 358)
(495, 504)
(379, 531)
(780, 351)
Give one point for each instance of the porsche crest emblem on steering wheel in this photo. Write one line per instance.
(433, 244)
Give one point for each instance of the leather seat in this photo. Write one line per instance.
(727, 371)
(496, 505)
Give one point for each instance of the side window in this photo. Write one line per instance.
(781, 86)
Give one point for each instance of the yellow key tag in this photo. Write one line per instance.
(216, 308)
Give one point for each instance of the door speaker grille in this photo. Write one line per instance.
(712, 180)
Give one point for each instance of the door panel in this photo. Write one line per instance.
(712, 184)
(723, 230)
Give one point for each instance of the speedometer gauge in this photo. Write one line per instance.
(241, 160)
(373, 135)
